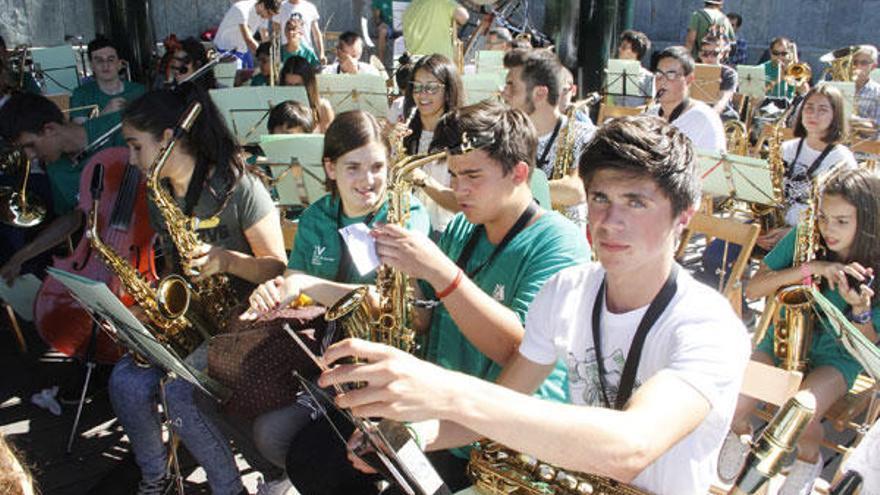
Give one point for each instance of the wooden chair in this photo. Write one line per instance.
(843, 414)
(770, 385)
(611, 111)
(288, 230)
(734, 232)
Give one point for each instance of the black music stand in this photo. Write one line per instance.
(623, 78)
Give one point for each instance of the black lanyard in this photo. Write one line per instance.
(816, 163)
(468, 250)
(345, 257)
(543, 160)
(677, 111)
(628, 378)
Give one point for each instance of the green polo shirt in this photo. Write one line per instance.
(513, 278)
(304, 52)
(825, 350)
(64, 175)
(318, 248)
(780, 90)
(91, 94)
(259, 80)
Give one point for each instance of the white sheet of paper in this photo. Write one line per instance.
(361, 247)
(21, 294)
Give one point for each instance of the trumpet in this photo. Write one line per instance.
(797, 72)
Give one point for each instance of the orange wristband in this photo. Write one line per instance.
(452, 285)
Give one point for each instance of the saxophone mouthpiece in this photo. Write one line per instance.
(97, 182)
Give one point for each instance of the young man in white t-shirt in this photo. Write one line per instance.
(697, 120)
(236, 31)
(312, 34)
(642, 188)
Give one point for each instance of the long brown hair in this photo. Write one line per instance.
(453, 93)
(838, 128)
(861, 189)
(350, 131)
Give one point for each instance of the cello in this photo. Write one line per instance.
(123, 220)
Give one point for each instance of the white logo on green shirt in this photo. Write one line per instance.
(318, 257)
(498, 293)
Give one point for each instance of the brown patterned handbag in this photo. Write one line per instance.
(256, 360)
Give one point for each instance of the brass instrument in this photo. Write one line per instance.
(215, 293)
(737, 137)
(497, 470)
(457, 47)
(771, 217)
(776, 443)
(16, 208)
(840, 61)
(22, 54)
(565, 151)
(393, 324)
(797, 72)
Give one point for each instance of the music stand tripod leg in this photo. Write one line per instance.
(90, 365)
(16, 329)
(173, 442)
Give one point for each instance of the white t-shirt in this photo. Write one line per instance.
(309, 14)
(363, 68)
(229, 35)
(438, 171)
(698, 339)
(796, 185)
(701, 124)
(583, 134)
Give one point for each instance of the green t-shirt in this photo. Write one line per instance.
(91, 94)
(304, 52)
(824, 348)
(385, 11)
(513, 278)
(778, 90)
(702, 20)
(250, 202)
(259, 80)
(317, 247)
(426, 26)
(64, 175)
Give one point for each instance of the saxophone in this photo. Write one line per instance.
(215, 295)
(393, 324)
(565, 153)
(771, 217)
(169, 315)
(497, 470)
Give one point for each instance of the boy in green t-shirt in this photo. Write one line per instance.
(108, 92)
(37, 125)
(709, 20)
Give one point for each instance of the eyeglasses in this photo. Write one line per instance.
(670, 75)
(779, 54)
(431, 88)
(102, 60)
(863, 62)
(710, 53)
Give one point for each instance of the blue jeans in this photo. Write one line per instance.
(134, 394)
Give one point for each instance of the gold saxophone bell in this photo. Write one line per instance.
(793, 327)
(353, 313)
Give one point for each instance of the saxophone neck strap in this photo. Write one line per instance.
(631, 365)
(468, 250)
(816, 163)
(194, 189)
(542, 161)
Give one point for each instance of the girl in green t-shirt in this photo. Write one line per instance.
(846, 262)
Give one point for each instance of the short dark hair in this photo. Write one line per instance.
(735, 18)
(542, 68)
(271, 5)
(645, 146)
(349, 131)
(637, 40)
(290, 114)
(839, 126)
(510, 135)
(99, 43)
(349, 38)
(779, 39)
(263, 49)
(27, 112)
(679, 53)
(515, 58)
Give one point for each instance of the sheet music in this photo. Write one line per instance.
(21, 294)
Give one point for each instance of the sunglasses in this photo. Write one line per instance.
(670, 75)
(430, 88)
(779, 54)
(710, 53)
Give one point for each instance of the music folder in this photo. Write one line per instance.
(105, 307)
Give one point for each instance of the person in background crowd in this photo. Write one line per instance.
(298, 72)
(713, 51)
(634, 45)
(708, 20)
(189, 57)
(312, 35)
(293, 30)
(867, 90)
(426, 25)
(741, 51)
(107, 91)
(236, 31)
(349, 50)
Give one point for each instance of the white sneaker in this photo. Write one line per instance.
(801, 477)
(732, 456)
(281, 486)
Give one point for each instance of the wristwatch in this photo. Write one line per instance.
(859, 318)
